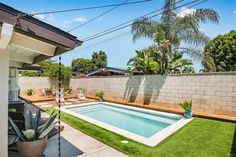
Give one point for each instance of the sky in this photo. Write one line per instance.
(122, 48)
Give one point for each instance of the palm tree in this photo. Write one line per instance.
(176, 29)
(99, 59)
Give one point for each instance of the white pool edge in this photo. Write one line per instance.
(151, 141)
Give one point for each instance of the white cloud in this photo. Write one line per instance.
(66, 24)
(80, 19)
(185, 11)
(235, 11)
(49, 18)
(40, 17)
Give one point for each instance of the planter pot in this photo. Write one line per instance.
(188, 113)
(100, 99)
(35, 148)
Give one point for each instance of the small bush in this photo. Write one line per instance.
(48, 89)
(186, 105)
(29, 91)
(100, 94)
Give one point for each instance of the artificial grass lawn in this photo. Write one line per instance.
(199, 138)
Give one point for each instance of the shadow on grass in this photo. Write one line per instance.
(233, 148)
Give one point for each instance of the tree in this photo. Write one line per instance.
(142, 63)
(99, 59)
(45, 66)
(29, 73)
(178, 65)
(176, 29)
(220, 53)
(53, 74)
(51, 69)
(156, 59)
(82, 65)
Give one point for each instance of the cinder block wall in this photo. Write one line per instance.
(210, 93)
(33, 82)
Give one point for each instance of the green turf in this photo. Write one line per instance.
(199, 138)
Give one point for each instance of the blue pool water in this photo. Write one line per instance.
(140, 123)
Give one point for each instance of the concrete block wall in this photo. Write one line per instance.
(210, 92)
(33, 82)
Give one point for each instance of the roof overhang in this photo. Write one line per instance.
(34, 67)
(31, 40)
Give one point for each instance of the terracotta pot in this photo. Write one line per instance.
(32, 148)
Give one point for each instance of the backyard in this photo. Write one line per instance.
(201, 137)
(148, 78)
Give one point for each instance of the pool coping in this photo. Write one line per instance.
(151, 141)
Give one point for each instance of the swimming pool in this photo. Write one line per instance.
(145, 126)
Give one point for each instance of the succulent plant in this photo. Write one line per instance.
(29, 134)
(33, 131)
(29, 91)
(186, 105)
(100, 94)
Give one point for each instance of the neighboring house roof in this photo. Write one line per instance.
(28, 27)
(107, 70)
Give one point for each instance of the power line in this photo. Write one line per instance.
(125, 33)
(98, 16)
(108, 32)
(80, 9)
(130, 21)
(106, 40)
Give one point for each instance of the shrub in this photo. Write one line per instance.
(48, 89)
(100, 94)
(186, 105)
(220, 53)
(29, 91)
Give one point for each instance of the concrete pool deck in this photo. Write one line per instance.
(75, 143)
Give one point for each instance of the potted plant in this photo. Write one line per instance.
(68, 90)
(48, 91)
(33, 140)
(29, 91)
(100, 95)
(187, 106)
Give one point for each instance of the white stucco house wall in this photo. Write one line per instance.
(24, 41)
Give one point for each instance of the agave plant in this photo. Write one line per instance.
(186, 105)
(100, 94)
(33, 130)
